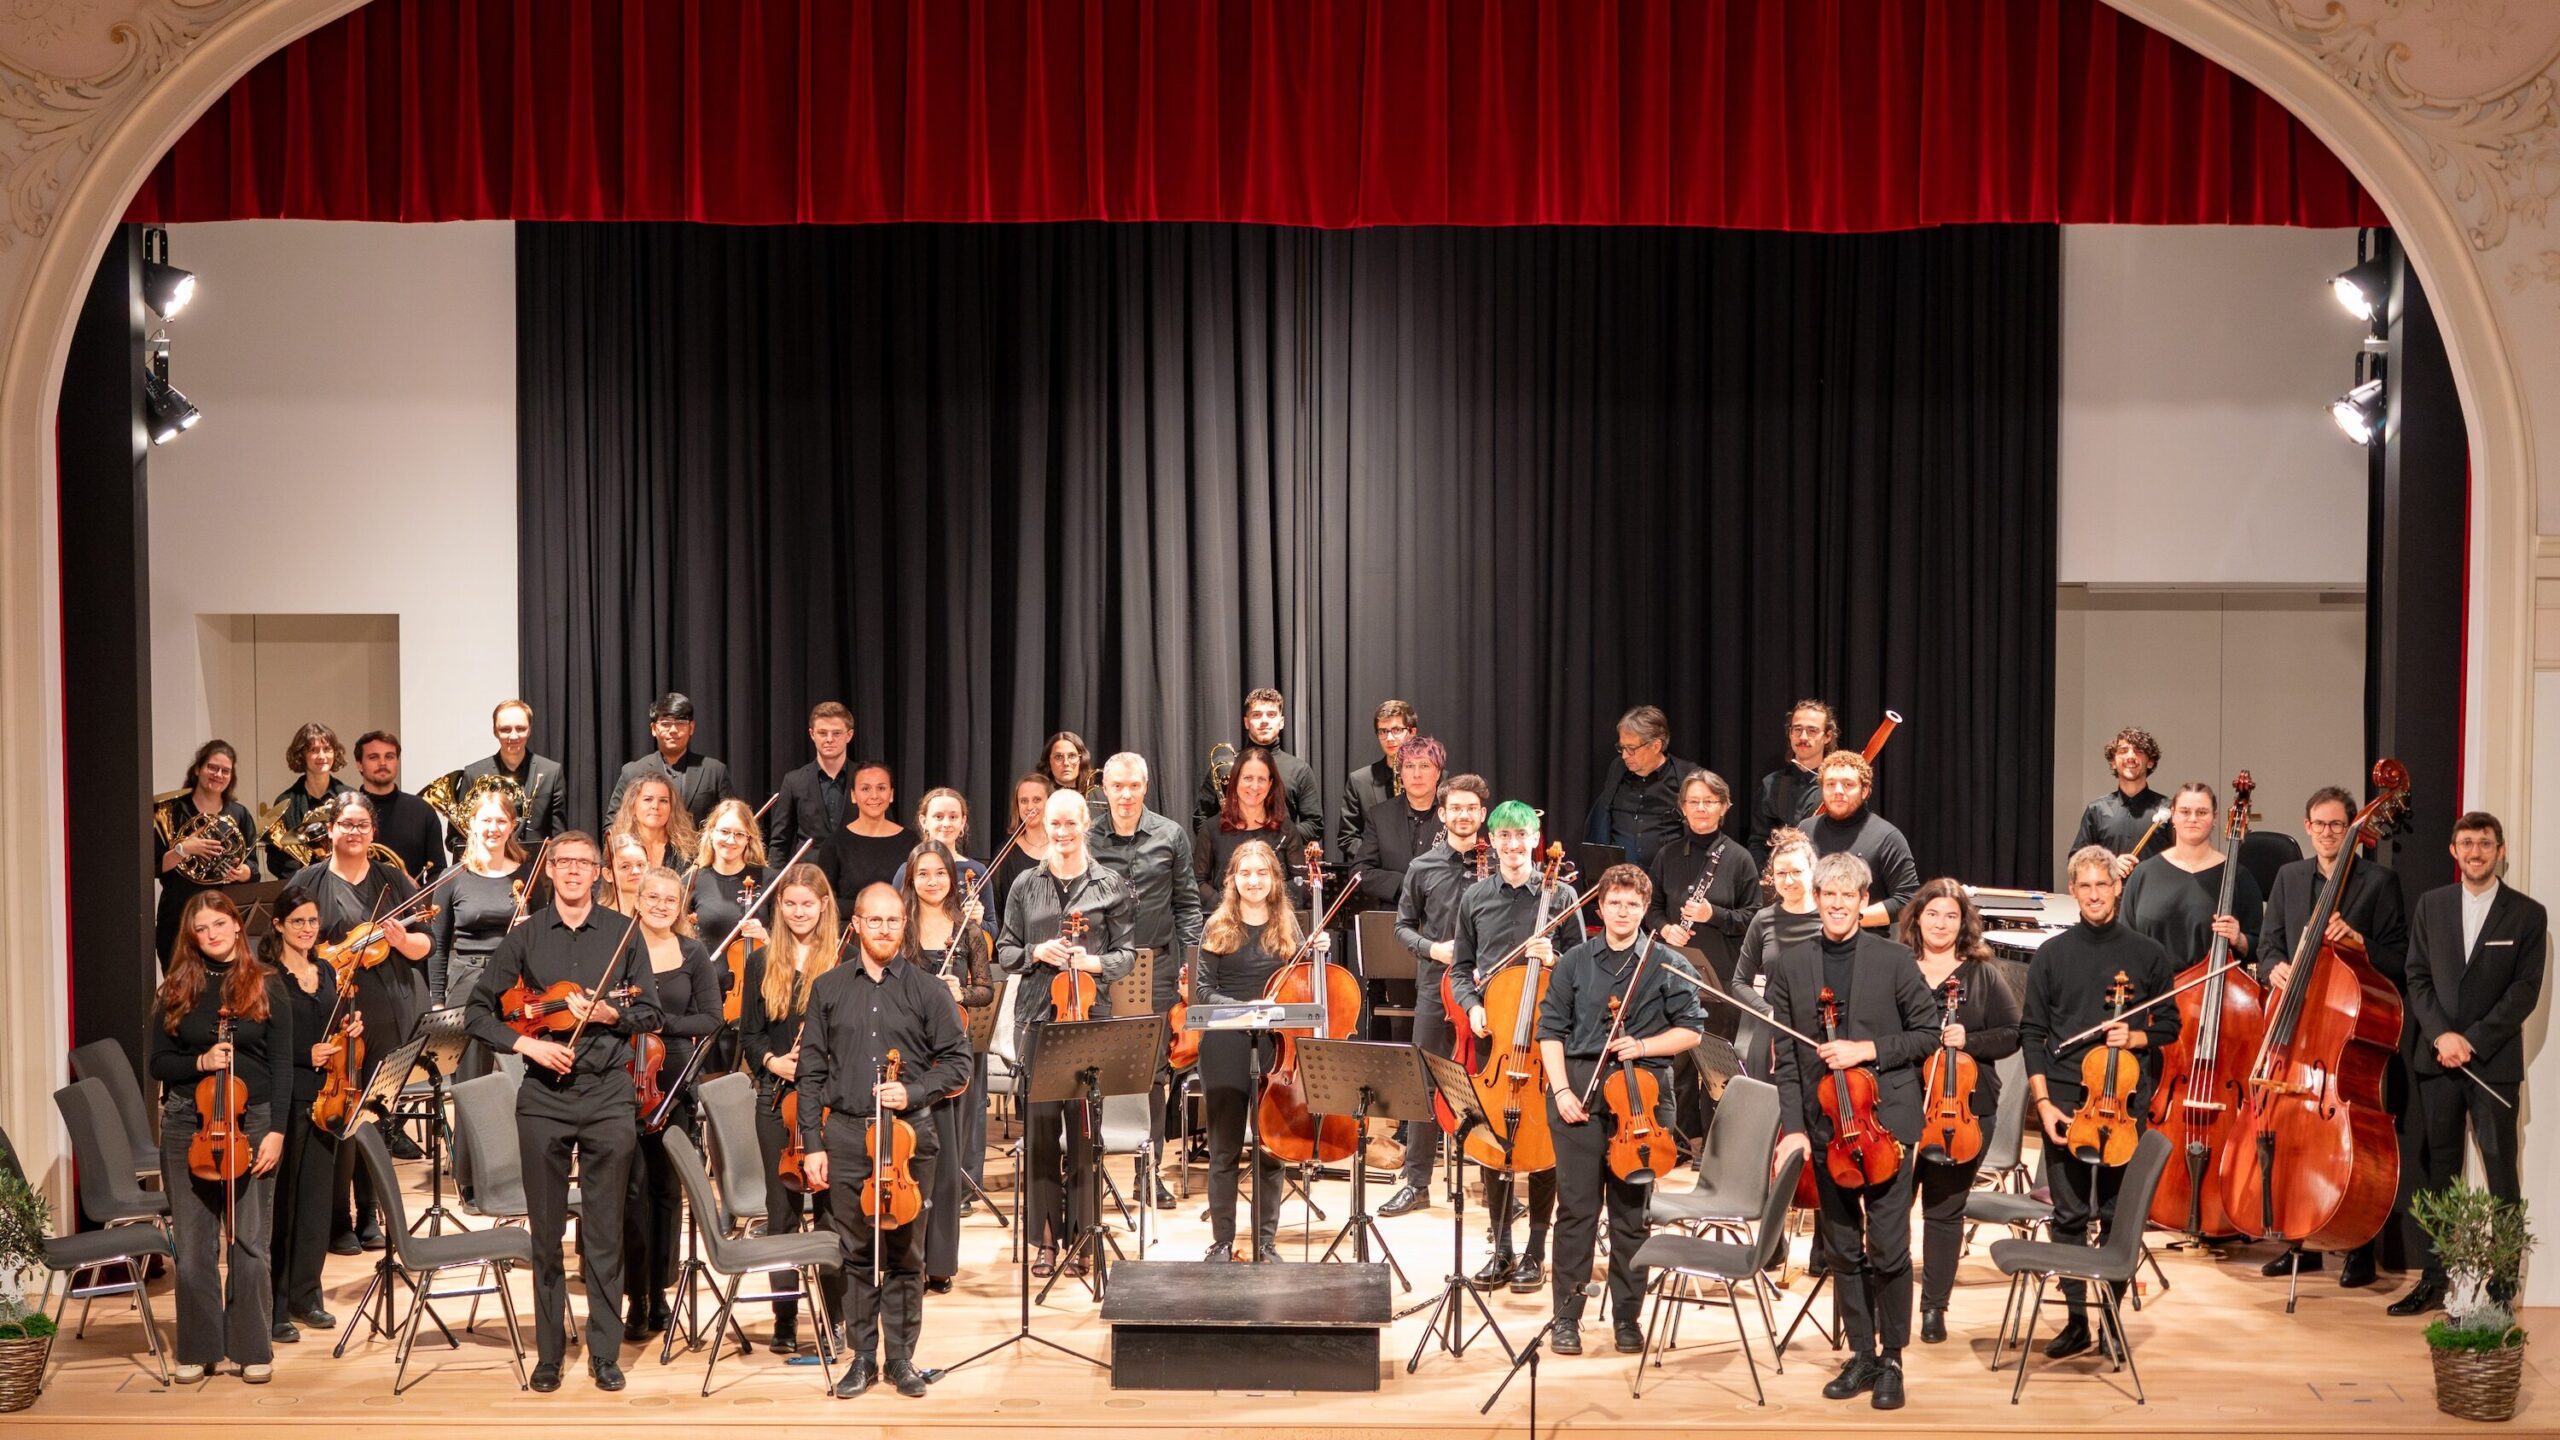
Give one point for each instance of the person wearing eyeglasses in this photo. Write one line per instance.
(2370, 913)
(701, 782)
(1371, 790)
(1638, 807)
(1788, 795)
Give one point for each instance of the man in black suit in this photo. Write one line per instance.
(701, 782)
(1888, 1021)
(546, 801)
(1372, 789)
(817, 798)
(2475, 975)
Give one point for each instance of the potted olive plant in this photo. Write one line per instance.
(26, 1336)
(2481, 1241)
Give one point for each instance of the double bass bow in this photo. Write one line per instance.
(1290, 1130)
(2204, 1073)
(2312, 1157)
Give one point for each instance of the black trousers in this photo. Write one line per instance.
(2448, 1104)
(2082, 1196)
(1226, 1094)
(1584, 1183)
(301, 1244)
(1499, 1212)
(896, 1304)
(650, 1214)
(1942, 1192)
(1432, 1032)
(942, 1236)
(788, 1212)
(1867, 1234)
(1061, 1149)
(595, 1119)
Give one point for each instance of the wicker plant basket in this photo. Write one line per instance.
(22, 1372)
(2479, 1384)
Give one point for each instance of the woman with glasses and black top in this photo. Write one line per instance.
(301, 1233)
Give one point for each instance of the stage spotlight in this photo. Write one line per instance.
(2359, 412)
(171, 413)
(166, 288)
(2362, 290)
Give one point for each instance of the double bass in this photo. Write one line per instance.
(1292, 1132)
(2204, 1073)
(2311, 1157)
(1511, 1077)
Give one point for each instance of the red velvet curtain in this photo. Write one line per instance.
(1832, 115)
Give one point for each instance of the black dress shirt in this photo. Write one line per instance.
(2174, 906)
(1395, 836)
(1735, 893)
(854, 1021)
(545, 950)
(2067, 985)
(1639, 813)
(1785, 796)
(701, 782)
(1427, 909)
(259, 1048)
(1494, 916)
(2117, 822)
(1155, 863)
(1874, 839)
(1036, 911)
(409, 828)
(1589, 976)
(314, 1011)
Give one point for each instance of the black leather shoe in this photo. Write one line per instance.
(2357, 1271)
(1565, 1336)
(344, 1243)
(939, 1284)
(316, 1319)
(608, 1375)
(659, 1313)
(1497, 1268)
(786, 1335)
(1933, 1325)
(1163, 1197)
(2071, 1340)
(1223, 1250)
(1630, 1337)
(635, 1323)
(2425, 1297)
(1529, 1276)
(860, 1374)
(910, 1381)
(1888, 1391)
(1406, 1200)
(2282, 1265)
(546, 1377)
(402, 1147)
(283, 1333)
(369, 1238)
(1855, 1378)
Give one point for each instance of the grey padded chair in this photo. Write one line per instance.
(732, 1257)
(2104, 1267)
(110, 1192)
(1124, 1132)
(420, 1258)
(1733, 1169)
(737, 1170)
(69, 1256)
(1679, 1259)
(106, 1061)
(484, 1128)
(2011, 1198)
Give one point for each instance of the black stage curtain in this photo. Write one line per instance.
(985, 482)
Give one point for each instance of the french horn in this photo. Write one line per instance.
(213, 869)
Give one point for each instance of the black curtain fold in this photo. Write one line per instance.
(986, 482)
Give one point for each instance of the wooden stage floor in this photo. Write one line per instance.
(2218, 1353)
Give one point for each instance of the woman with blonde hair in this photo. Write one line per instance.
(1252, 933)
(652, 812)
(806, 935)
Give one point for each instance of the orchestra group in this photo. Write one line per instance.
(851, 963)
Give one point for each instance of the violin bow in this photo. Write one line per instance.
(612, 967)
(2166, 995)
(1705, 980)
(533, 877)
(1543, 932)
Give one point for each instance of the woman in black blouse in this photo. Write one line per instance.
(1068, 762)
(2170, 897)
(210, 971)
(1944, 932)
(729, 866)
(652, 811)
(947, 937)
(480, 905)
(689, 1001)
(1031, 847)
(177, 836)
(1787, 918)
(313, 755)
(868, 849)
(300, 1245)
(803, 948)
(1253, 811)
(1253, 931)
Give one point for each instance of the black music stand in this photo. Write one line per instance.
(1448, 1319)
(382, 1095)
(1371, 1079)
(692, 1272)
(1088, 1060)
(1385, 961)
(447, 1036)
(256, 900)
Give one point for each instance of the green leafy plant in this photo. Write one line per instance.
(2481, 1241)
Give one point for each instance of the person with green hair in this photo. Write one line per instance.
(1497, 916)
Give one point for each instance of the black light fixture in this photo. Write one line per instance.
(2359, 412)
(165, 288)
(2362, 290)
(171, 413)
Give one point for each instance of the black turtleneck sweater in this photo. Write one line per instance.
(2067, 993)
(257, 1046)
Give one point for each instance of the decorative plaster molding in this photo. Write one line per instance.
(68, 76)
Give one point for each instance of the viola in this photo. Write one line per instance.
(2204, 1073)
(734, 955)
(648, 1064)
(1462, 1047)
(1862, 1152)
(1950, 1133)
(2312, 1157)
(1290, 1129)
(542, 1012)
(2102, 1131)
(891, 1189)
(1511, 1076)
(1072, 992)
(369, 944)
(791, 1165)
(1182, 1050)
(1639, 1148)
(337, 1098)
(221, 1150)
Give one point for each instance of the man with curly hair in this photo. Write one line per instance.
(2118, 818)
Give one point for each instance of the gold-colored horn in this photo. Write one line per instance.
(1222, 760)
(443, 794)
(213, 869)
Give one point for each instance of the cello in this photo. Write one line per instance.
(2311, 1157)
(2204, 1072)
(1950, 1133)
(1511, 1076)
(1293, 1133)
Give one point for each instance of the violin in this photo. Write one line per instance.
(734, 955)
(542, 1012)
(648, 1065)
(2102, 1130)
(1291, 1131)
(337, 1098)
(1182, 1049)
(1511, 1076)
(1639, 1148)
(1950, 1133)
(2312, 1157)
(790, 1165)
(1862, 1152)
(1073, 992)
(891, 1190)
(221, 1150)
(2204, 1073)
(367, 945)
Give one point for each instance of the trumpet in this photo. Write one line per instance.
(1222, 759)
(213, 869)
